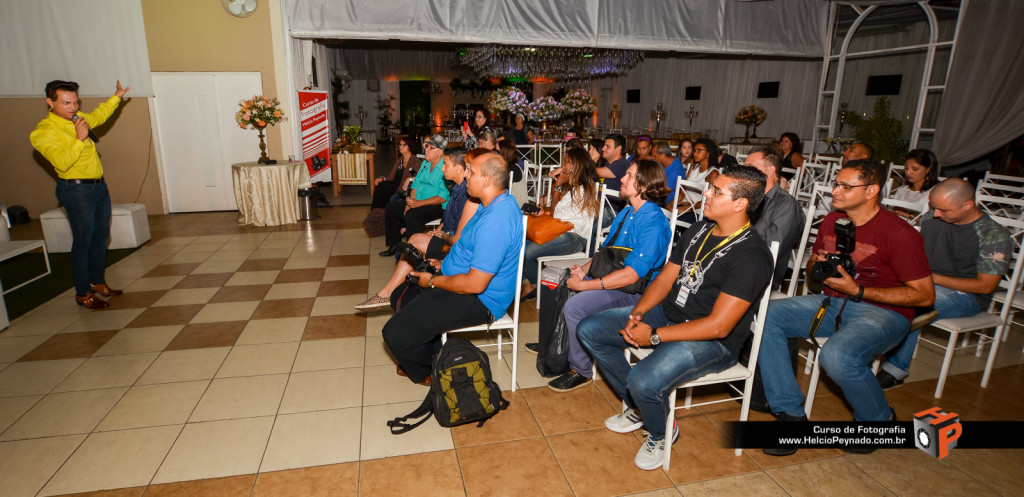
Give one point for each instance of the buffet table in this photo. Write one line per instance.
(267, 195)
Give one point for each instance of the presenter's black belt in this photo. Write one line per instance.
(82, 181)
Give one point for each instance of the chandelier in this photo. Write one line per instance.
(554, 63)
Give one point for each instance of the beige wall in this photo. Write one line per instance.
(183, 35)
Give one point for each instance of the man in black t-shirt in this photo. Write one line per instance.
(695, 315)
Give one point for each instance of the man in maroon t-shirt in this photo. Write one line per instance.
(876, 302)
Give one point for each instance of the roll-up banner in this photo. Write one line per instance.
(316, 134)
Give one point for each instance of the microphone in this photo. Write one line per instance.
(92, 137)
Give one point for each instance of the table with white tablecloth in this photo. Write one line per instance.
(267, 194)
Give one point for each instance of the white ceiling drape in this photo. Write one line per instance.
(778, 27)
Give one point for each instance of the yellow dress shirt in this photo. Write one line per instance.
(55, 138)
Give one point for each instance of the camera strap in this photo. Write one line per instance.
(818, 316)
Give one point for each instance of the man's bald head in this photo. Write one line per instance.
(857, 151)
(955, 189)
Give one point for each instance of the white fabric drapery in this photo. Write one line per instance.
(983, 102)
(779, 27)
(105, 42)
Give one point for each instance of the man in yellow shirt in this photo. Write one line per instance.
(65, 138)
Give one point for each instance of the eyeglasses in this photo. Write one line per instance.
(717, 192)
(845, 188)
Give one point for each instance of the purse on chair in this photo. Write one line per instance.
(543, 229)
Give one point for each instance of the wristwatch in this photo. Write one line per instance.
(655, 339)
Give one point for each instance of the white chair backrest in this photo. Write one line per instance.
(1012, 279)
(527, 152)
(897, 178)
(911, 207)
(549, 155)
(810, 173)
(821, 201)
(998, 205)
(602, 233)
(693, 191)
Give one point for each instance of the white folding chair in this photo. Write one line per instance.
(896, 178)
(983, 320)
(911, 207)
(736, 373)
(693, 191)
(801, 252)
(505, 323)
(998, 205)
(810, 174)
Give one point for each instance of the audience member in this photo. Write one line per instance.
(779, 218)
(792, 158)
(641, 227)
(480, 122)
(522, 133)
(890, 278)
(968, 253)
(673, 169)
(428, 196)
(921, 171)
(387, 187)
(643, 147)
(685, 153)
(695, 315)
(476, 282)
(857, 151)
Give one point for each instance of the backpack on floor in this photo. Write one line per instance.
(462, 390)
(373, 225)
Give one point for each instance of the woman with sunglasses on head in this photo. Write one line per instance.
(577, 203)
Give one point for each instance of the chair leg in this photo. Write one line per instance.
(810, 361)
(812, 388)
(668, 428)
(1000, 332)
(515, 356)
(950, 348)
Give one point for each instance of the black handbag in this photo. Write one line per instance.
(610, 258)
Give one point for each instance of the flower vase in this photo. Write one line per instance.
(754, 134)
(746, 135)
(263, 147)
(508, 118)
(578, 119)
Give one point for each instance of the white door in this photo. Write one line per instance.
(198, 139)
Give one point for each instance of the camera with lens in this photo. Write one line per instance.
(318, 162)
(846, 238)
(416, 260)
(403, 193)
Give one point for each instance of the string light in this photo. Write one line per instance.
(554, 63)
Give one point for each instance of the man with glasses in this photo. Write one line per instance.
(696, 314)
(968, 253)
(428, 196)
(863, 314)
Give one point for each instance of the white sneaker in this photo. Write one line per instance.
(626, 422)
(652, 453)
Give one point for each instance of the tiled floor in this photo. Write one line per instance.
(235, 365)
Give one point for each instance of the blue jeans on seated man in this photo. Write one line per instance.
(867, 331)
(564, 244)
(950, 304)
(586, 304)
(647, 385)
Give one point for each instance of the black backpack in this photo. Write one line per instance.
(462, 390)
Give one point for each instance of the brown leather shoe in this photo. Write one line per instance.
(91, 301)
(401, 372)
(105, 290)
(426, 381)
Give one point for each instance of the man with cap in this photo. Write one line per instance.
(428, 196)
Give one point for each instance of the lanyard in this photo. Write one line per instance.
(698, 261)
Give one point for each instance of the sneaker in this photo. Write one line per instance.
(652, 453)
(784, 451)
(626, 422)
(533, 347)
(887, 381)
(568, 381)
(374, 302)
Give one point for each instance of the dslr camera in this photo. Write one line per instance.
(416, 259)
(846, 238)
(318, 162)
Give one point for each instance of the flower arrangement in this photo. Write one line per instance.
(751, 115)
(259, 112)
(578, 102)
(509, 99)
(544, 109)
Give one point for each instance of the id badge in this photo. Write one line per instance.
(684, 293)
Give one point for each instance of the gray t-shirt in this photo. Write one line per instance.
(964, 251)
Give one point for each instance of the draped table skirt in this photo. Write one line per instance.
(267, 195)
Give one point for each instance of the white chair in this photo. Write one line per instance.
(691, 190)
(983, 320)
(801, 252)
(810, 174)
(998, 205)
(913, 208)
(505, 322)
(736, 373)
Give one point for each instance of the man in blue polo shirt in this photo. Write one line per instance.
(673, 169)
(477, 281)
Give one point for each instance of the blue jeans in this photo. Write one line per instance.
(647, 385)
(564, 244)
(585, 304)
(88, 208)
(950, 304)
(867, 331)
